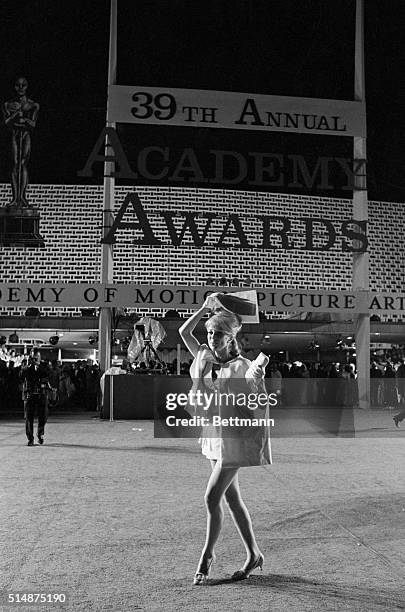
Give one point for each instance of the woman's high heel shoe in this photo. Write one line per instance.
(245, 572)
(201, 576)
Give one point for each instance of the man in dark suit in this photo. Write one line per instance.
(35, 385)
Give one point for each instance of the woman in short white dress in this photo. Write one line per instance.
(220, 365)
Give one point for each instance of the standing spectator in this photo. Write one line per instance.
(275, 382)
(79, 381)
(3, 349)
(13, 371)
(376, 384)
(66, 386)
(3, 380)
(401, 392)
(390, 389)
(54, 382)
(349, 398)
(292, 390)
(92, 380)
(303, 374)
(401, 382)
(322, 380)
(335, 387)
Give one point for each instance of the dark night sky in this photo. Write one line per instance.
(280, 47)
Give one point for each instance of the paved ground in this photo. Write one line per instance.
(114, 518)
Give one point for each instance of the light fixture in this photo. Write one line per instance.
(13, 338)
(88, 312)
(32, 312)
(171, 314)
(53, 340)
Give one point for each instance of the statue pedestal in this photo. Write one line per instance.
(20, 227)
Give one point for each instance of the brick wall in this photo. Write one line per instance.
(71, 218)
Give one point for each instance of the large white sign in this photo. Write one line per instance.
(236, 111)
(119, 295)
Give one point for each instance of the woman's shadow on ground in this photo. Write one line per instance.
(370, 598)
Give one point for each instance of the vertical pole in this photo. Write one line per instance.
(20, 145)
(105, 318)
(111, 397)
(178, 359)
(360, 274)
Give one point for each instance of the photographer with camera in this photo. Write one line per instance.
(35, 377)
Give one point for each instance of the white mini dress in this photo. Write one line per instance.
(234, 447)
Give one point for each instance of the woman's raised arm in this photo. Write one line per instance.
(186, 330)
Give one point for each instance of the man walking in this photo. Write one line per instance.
(35, 385)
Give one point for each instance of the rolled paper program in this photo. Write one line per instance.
(261, 360)
(235, 304)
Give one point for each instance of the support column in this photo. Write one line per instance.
(105, 318)
(360, 275)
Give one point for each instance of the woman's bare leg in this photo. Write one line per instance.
(242, 520)
(218, 483)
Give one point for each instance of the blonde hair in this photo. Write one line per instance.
(230, 324)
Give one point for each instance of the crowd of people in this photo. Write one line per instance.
(328, 384)
(335, 384)
(77, 384)
(69, 384)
